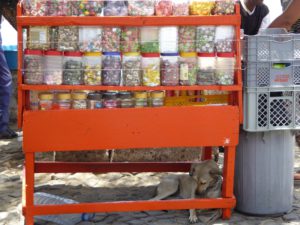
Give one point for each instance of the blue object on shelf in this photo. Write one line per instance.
(11, 56)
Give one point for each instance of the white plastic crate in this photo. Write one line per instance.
(267, 109)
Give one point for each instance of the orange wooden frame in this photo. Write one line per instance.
(78, 130)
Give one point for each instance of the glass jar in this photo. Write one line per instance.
(56, 8)
(63, 100)
(225, 66)
(79, 100)
(130, 39)
(169, 67)
(157, 98)
(140, 99)
(180, 7)
(67, 38)
(35, 8)
(92, 68)
(188, 68)
(46, 101)
(38, 38)
(125, 99)
(206, 69)
(110, 100)
(151, 69)
(168, 39)
(163, 7)
(95, 100)
(90, 7)
(132, 75)
(187, 39)
(201, 7)
(90, 38)
(73, 73)
(224, 7)
(115, 8)
(149, 39)
(33, 66)
(111, 39)
(53, 67)
(111, 69)
(141, 7)
(224, 38)
(205, 39)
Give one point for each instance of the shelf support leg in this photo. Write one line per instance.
(228, 175)
(206, 153)
(29, 188)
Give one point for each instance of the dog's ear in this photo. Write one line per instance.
(215, 171)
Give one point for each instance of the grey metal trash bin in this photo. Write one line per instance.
(264, 172)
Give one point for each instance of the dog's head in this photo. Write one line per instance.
(205, 174)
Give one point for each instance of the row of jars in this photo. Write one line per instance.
(130, 7)
(169, 39)
(132, 69)
(99, 100)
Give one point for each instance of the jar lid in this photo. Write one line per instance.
(94, 96)
(140, 94)
(226, 54)
(112, 53)
(46, 96)
(131, 54)
(157, 94)
(92, 54)
(63, 96)
(151, 55)
(110, 95)
(125, 94)
(188, 54)
(78, 95)
(169, 54)
(50, 52)
(76, 53)
(33, 52)
(206, 54)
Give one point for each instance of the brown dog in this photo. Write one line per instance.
(204, 181)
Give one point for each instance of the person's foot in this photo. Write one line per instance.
(8, 134)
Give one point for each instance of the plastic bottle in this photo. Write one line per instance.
(41, 198)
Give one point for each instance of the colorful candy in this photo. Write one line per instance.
(68, 38)
(180, 7)
(91, 7)
(151, 70)
(53, 64)
(111, 39)
(224, 7)
(73, 74)
(187, 39)
(224, 38)
(111, 69)
(205, 39)
(202, 7)
(33, 67)
(149, 39)
(163, 8)
(130, 39)
(115, 8)
(35, 8)
(39, 38)
(188, 68)
(92, 68)
(90, 39)
(141, 7)
(132, 69)
(169, 69)
(206, 69)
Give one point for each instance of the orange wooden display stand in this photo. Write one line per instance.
(78, 130)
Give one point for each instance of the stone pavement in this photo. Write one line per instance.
(104, 187)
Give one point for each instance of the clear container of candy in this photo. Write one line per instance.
(188, 68)
(111, 69)
(73, 69)
(224, 38)
(92, 64)
(149, 37)
(34, 8)
(157, 98)
(141, 7)
(206, 69)
(224, 7)
(187, 39)
(126, 99)
(225, 68)
(115, 8)
(63, 100)
(79, 100)
(151, 69)
(180, 7)
(169, 67)
(53, 65)
(141, 99)
(56, 8)
(111, 39)
(53, 32)
(132, 74)
(33, 66)
(168, 39)
(130, 39)
(68, 38)
(163, 7)
(95, 100)
(46, 100)
(110, 100)
(38, 38)
(91, 7)
(205, 39)
(201, 7)
(90, 39)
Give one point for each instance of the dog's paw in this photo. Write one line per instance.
(193, 219)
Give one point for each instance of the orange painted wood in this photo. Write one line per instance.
(29, 187)
(228, 172)
(75, 130)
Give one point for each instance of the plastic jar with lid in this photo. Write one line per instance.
(180, 7)
(115, 8)
(224, 38)
(151, 69)
(149, 37)
(53, 32)
(67, 38)
(141, 7)
(157, 98)
(168, 39)
(201, 7)
(130, 39)
(110, 100)
(163, 7)
(95, 100)
(53, 67)
(73, 73)
(205, 39)
(206, 69)
(90, 38)
(188, 68)
(187, 39)
(225, 67)
(132, 75)
(38, 38)
(111, 69)
(224, 7)
(141, 99)
(46, 101)
(126, 99)
(79, 100)
(63, 100)
(169, 68)
(111, 39)
(33, 66)
(34, 8)
(92, 68)
(56, 8)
